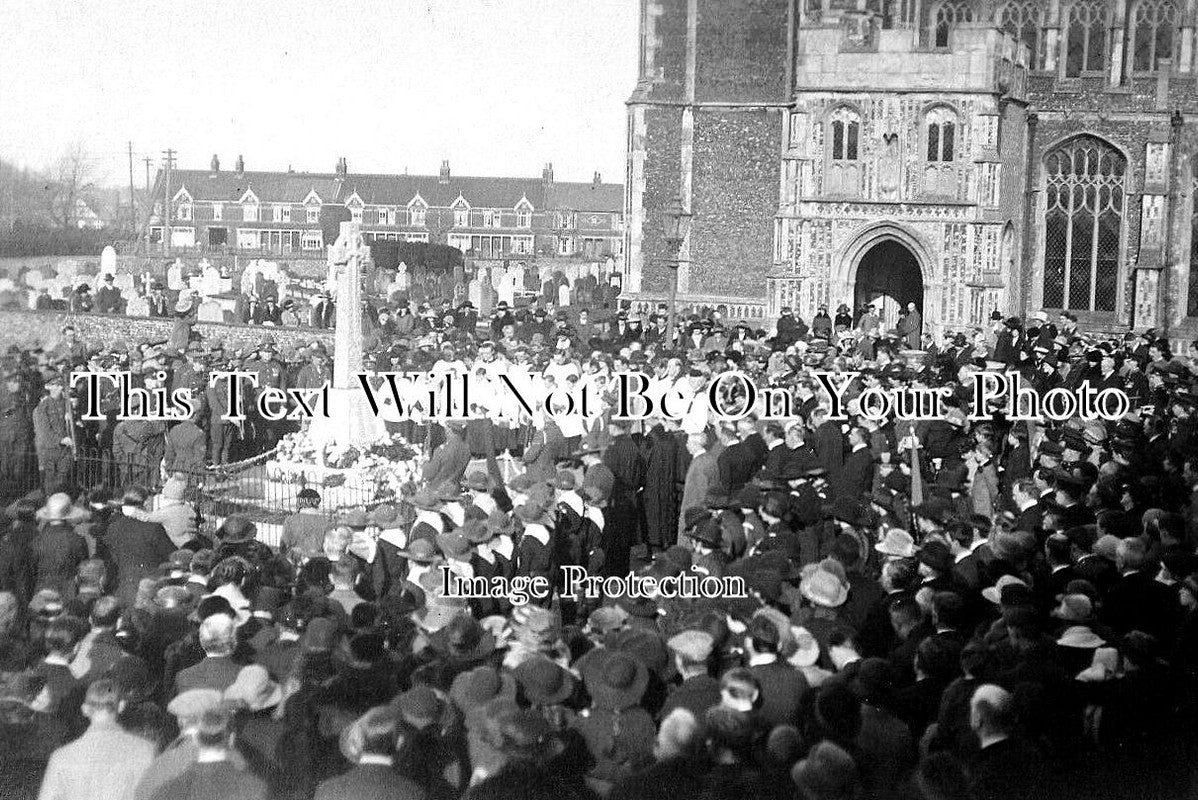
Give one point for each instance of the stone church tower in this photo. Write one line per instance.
(964, 155)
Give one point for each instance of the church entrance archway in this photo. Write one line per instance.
(888, 276)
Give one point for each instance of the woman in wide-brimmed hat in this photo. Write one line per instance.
(618, 733)
(57, 548)
(545, 684)
(463, 640)
(60, 509)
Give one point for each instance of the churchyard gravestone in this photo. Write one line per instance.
(507, 289)
(519, 275)
(35, 279)
(563, 295)
(211, 282)
(401, 277)
(486, 302)
(138, 306)
(108, 261)
(125, 283)
(211, 311)
(66, 269)
(474, 292)
(174, 277)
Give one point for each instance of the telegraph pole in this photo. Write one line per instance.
(132, 204)
(148, 161)
(166, 204)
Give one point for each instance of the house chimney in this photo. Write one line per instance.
(342, 167)
(598, 179)
(240, 165)
(215, 166)
(444, 172)
(547, 174)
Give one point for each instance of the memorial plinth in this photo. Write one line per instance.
(347, 456)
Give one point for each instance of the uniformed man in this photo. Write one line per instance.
(17, 469)
(270, 374)
(52, 437)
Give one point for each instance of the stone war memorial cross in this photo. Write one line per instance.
(351, 422)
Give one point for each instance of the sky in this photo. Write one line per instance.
(496, 87)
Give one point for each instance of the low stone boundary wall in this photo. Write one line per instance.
(31, 328)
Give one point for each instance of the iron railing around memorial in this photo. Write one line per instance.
(253, 488)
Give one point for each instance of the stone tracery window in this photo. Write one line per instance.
(1021, 19)
(1083, 225)
(845, 132)
(942, 134)
(947, 16)
(1086, 34)
(1152, 26)
(843, 142)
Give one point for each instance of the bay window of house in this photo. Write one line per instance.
(1022, 19)
(1087, 24)
(218, 212)
(313, 214)
(249, 212)
(312, 240)
(491, 218)
(384, 216)
(523, 218)
(461, 217)
(185, 212)
(355, 214)
(1152, 25)
(418, 213)
(1083, 223)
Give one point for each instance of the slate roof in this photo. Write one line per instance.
(392, 190)
(606, 197)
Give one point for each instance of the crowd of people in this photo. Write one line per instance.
(951, 608)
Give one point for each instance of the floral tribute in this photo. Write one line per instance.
(378, 471)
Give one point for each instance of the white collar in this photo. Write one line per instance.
(503, 545)
(761, 659)
(571, 499)
(432, 518)
(375, 759)
(537, 531)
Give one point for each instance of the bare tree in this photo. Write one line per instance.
(70, 180)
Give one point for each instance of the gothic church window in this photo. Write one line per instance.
(1021, 19)
(846, 134)
(1152, 24)
(942, 134)
(1085, 45)
(948, 15)
(1083, 224)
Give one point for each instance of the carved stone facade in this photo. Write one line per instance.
(965, 155)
